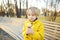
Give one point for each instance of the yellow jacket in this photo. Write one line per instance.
(38, 29)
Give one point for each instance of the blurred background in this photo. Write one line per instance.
(13, 15)
(49, 9)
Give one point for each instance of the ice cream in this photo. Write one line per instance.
(29, 25)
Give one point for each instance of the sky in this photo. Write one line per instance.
(34, 3)
(31, 3)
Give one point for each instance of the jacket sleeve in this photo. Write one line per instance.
(24, 30)
(39, 34)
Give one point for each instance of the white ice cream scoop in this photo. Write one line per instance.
(29, 25)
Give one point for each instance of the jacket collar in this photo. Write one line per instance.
(33, 21)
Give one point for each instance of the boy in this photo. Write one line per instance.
(33, 28)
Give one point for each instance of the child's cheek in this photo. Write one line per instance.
(29, 17)
(32, 18)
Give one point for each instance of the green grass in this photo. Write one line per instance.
(49, 18)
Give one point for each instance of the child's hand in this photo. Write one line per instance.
(29, 31)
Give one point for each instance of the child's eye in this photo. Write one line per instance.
(33, 15)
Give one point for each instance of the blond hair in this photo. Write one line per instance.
(35, 10)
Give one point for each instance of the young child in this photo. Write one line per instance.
(33, 28)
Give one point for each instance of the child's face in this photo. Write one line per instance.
(31, 16)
